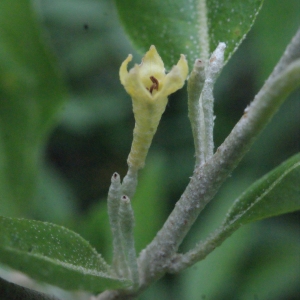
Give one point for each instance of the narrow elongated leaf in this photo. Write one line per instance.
(31, 90)
(54, 254)
(191, 27)
(276, 193)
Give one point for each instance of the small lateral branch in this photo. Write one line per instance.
(113, 206)
(126, 216)
(195, 112)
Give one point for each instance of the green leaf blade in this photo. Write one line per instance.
(165, 26)
(276, 193)
(230, 21)
(54, 254)
(193, 28)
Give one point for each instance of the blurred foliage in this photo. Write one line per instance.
(93, 136)
(31, 90)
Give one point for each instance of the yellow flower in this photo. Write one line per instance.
(149, 86)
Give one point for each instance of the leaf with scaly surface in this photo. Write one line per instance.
(55, 255)
(276, 193)
(191, 27)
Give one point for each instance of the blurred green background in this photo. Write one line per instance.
(89, 137)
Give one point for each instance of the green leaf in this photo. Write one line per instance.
(54, 254)
(31, 91)
(193, 27)
(278, 192)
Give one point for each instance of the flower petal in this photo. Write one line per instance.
(123, 73)
(152, 65)
(174, 80)
(134, 85)
(131, 80)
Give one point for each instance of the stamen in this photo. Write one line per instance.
(155, 84)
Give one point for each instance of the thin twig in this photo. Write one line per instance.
(127, 225)
(113, 206)
(194, 88)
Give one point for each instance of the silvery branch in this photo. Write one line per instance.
(211, 168)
